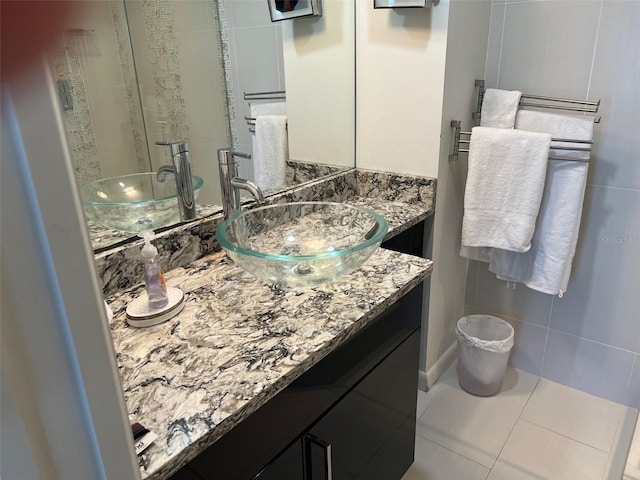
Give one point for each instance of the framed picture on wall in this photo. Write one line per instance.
(286, 9)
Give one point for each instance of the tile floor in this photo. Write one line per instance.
(533, 429)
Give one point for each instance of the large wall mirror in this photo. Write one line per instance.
(131, 73)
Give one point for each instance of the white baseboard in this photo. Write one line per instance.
(432, 375)
(422, 380)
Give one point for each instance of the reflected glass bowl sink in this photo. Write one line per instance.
(134, 203)
(302, 244)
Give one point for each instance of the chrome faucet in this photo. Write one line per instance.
(231, 183)
(181, 168)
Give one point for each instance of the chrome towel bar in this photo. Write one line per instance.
(274, 95)
(458, 133)
(554, 103)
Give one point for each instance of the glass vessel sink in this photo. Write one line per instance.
(302, 244)
(134, 203)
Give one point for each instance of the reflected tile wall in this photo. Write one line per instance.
(131, 90)
(67, 66)
(159, 24)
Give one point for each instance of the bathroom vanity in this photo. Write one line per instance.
(255, 381)
(352, 415)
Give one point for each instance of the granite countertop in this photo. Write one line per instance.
(399, 215)
(237, 343)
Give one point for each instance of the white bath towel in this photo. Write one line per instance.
(272, 150)
(264, 175)
(268, 108)
(504, 187)
(476, 253)
(546, 267)
(499, 108)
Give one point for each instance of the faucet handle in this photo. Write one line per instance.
(226, 156)
(176, 147)
(241, 155)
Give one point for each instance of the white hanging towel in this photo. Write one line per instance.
(270, 147)
(546, 267)
(504, 187)
(499, 108)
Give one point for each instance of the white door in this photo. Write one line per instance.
(65, 399)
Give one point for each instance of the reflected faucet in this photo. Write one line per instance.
(231, 183)
(181, 168)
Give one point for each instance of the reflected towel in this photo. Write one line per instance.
(259, 171)
(499, 108)
(273, 151)
(546, 267)
(504, 187)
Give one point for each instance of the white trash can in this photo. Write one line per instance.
(484, 344)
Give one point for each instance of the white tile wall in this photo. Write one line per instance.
(255, 45)
(553, 43)
(590, 366)
(522, 303)
(602, 303)
(494, 46)
(588, 339)
(615, 79)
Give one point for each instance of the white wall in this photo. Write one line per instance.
(399, 85)
(432, 57)
(16, 458)
(467, 35)
(320, 72)
(590, 338)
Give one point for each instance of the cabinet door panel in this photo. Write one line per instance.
(287, 466)
(376, 421)
(393, 459)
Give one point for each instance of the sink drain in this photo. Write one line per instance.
(303, 269)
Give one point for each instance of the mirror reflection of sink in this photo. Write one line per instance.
(134, 203)
(302, 244)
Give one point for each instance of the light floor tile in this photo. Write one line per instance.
(533, 452)
(475, 427)
(574, 414)
(433, 462)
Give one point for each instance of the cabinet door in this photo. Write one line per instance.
(370, 433)
(287, 466)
